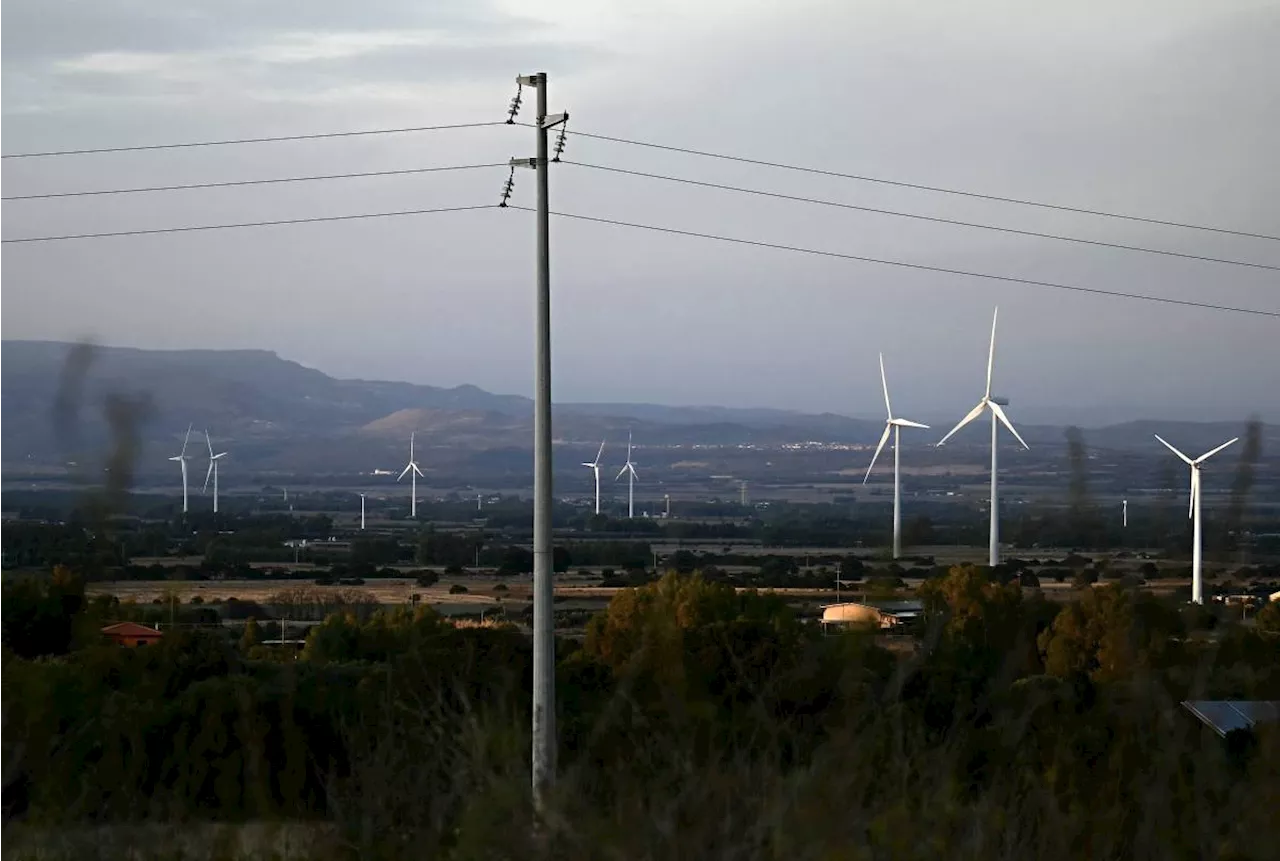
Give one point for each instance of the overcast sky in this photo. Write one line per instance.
(1166, 108)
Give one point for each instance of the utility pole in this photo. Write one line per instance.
(544, 678)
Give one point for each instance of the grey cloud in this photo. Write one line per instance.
(1166, 108)
(48, 30)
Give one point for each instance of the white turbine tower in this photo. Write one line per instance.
(362, 512)
(896, 426)
(182, 461)
(995, 405)
(594, 466)
(629, 470)
(1193, 511)
(213, 470)
(413, 472)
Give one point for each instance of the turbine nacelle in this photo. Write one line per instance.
(412, 466)
(628, 466)
(595, 464)
(990, 401)
(413, 463)
(890, 422)
(1195, 468)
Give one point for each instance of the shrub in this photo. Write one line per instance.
(457, 589)
(501, 587)
(1085, 578)
(428, 578)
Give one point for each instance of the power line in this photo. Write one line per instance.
(921, 187)
(244, 182)
(239, 141)
(246, 224)
(917, 266)
(931, 218)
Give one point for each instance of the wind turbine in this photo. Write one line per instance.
(996, 406)
(362, 512)
(1193, 511)
(182, 461)
(629, 467)
(894, 425)
(213, 470)
(414, 472)
(595, 468)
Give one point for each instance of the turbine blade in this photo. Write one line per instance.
(186, 439)
(1004, 419)
(1208, 454)
(907, 423)
(973, 414)
(884, 438)
(404, 472)
(991, 354)
(622, 472)
(1185, 459)
(634, 474)
(589, 465)
(208, 473)
(1195, 491)
(420, 473)
(600, 452)
(884, 382)
(208, 442)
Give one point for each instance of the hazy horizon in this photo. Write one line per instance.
(1152, 108)
(1088, 416)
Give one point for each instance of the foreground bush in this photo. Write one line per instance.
(694, 722)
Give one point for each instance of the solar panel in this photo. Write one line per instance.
(1225, 716)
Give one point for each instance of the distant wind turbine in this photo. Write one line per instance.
(995, 405)
(182, 461)
(894, 425)
(362, 512)
(1193, 511)
(629, 470)
(594, 466)
(213, 470)
(414, 472)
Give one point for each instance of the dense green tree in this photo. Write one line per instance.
(1268, 618)
(1111, 634)
(252, 635)
(516, 560)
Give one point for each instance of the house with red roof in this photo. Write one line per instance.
(131, 634)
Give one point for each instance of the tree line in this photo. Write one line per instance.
(693, 718)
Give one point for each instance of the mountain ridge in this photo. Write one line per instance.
(57, 399)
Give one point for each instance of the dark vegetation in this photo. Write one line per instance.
(694, 721)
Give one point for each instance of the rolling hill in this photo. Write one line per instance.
(61, 400)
